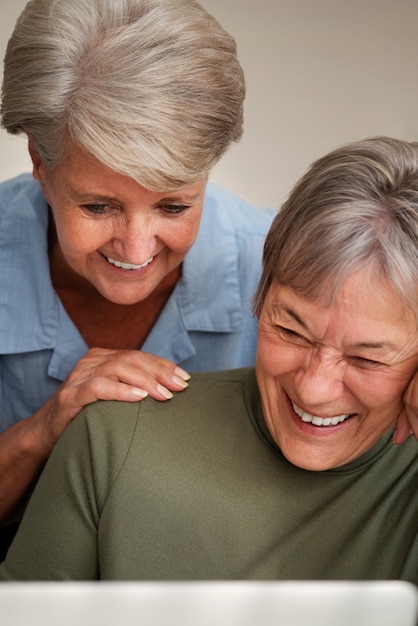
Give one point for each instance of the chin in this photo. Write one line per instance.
(308, 460)
(123, 298)
(126, 301)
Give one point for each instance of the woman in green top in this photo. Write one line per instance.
(284, 471)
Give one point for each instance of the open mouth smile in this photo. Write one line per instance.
(129, 266)
(320, 421)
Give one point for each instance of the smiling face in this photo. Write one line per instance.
(122, 238)
(331, 376)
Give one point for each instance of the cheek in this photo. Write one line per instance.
(80, 236)
(276, 358)
(181, 236)
(382, 393)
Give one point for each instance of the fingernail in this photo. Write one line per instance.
(180, 382)
(182, 373)
(139, 393)
(164, 392)
(398, 438)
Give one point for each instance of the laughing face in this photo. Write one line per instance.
(122, 238)
(332, 376)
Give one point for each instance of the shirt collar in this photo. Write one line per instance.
(208, 292)
(207, 297)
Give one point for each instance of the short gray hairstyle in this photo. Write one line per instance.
(356, 207)
(152, 88)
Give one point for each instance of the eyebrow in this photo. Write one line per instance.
(181, 197)
(378, 345)
(365, 345)
(292, 313)
(92, 196)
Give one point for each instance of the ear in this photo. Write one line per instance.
(38, 167)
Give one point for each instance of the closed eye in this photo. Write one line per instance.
(362, 362)
(291, 336)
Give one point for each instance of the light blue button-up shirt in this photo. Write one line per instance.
(207, 323)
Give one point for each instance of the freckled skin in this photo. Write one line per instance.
(99, 213)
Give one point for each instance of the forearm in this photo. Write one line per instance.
(23, 453)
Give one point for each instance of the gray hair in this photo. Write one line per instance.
(356, 207)
(152, 88)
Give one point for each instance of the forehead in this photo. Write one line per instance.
(365, 309)
(81, 173)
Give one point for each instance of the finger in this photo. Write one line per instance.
(413, 423)
(108, 362)
(109, 388)
(403, 429)
(164, 371)
(410, 411)
(140, 370)
(140, 374)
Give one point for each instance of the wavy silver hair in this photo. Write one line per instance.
(356, 207)
(152, 88)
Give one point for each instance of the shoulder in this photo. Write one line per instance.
(112, 425)
(103, 419)
(98, 442)
(212, 398)
(221, 381)
(22, 195)
(24, 183)
(111, 440)
(235, 213)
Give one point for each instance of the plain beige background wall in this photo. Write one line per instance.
(319, 73)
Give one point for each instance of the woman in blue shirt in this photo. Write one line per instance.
(122, 270)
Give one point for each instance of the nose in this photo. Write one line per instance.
(135, 239)
(320, 377)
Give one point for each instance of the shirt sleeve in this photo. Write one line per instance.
(57, 538)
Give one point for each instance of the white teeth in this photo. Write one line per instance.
(129, 266)
(319, 421)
